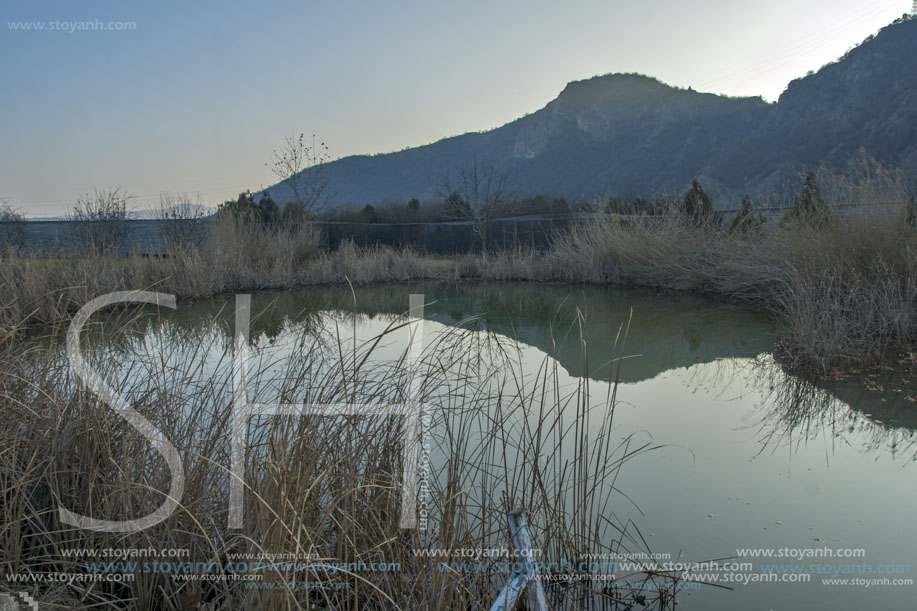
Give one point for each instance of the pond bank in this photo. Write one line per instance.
(844, 296)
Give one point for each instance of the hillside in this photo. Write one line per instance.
(629, 134)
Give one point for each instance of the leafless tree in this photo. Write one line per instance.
(181, 220)
(301, 167)
(99, 220)
(477, 192)
(11, 230)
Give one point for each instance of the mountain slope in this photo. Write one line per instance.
(867, 99)
(629, 134)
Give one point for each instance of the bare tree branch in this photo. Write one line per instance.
(11, 230)
(477, 192)
(301, 167)
(181, 220)
(99, 220)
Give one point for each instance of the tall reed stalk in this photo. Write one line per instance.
(320, 489)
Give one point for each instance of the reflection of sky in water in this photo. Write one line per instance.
(741, 441)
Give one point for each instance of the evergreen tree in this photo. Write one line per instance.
(810, 207)
(268, 210)
(698, 205)
(294, 216)
(241, 209)
(746, 220)
(369, 214)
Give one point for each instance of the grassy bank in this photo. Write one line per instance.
(233, 258)
(844, 294)
(844, 291)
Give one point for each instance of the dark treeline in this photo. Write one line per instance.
(440, 211)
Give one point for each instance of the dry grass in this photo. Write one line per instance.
(315, 485)
(844, 294)
(235, 258)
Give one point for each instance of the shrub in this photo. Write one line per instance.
(11, 230)
(181, 221)
(810, 208)
(99, 221)
(293, 216)
(698, 205)
(746, 220)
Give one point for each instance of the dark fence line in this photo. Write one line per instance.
(156, 237)
(152, 237)
(448, 238)
(74, 238)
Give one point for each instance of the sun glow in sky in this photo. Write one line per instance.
(194, 96)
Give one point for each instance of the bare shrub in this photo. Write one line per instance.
(301, 167)
(11, 230)
(98, 221)
(477, 192)
(181, 221)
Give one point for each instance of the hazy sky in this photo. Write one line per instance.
(196, 96)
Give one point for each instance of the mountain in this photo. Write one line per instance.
(629, 135)
(867, 99)
(191, 211)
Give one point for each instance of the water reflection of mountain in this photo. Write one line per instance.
(668, 332)
(654, 332)
(665, 332)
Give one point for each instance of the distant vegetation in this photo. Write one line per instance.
(10, 230)
(437, 210)
(843, 280)
(100, 219)
(300, 167)
(183, 220)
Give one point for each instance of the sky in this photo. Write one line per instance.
(192, 97)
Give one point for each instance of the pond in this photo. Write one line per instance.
(790, 486)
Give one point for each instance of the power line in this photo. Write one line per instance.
(729, 75)
(151, 196)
